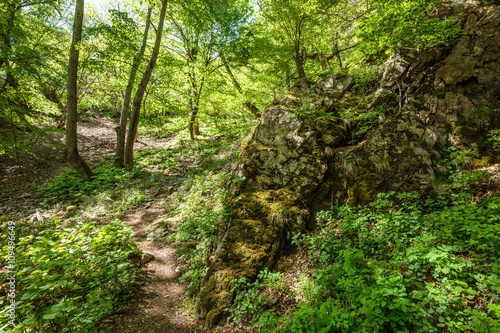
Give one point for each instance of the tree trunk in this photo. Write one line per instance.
(253, 109)
(115, 109)
(194, 128)
(6, 35)
(250, 106)
(71, 152)
(191, 126)
(136, 107)
(62, 119)
(299, 63)
(121, 129)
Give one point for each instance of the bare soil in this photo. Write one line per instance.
(157, 305)
(19, 178)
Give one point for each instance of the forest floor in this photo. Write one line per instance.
(20, 177)
(157, 306)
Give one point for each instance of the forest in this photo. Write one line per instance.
(250, 166)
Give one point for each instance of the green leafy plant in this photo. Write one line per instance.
(440, 91)
(494, 137)
(364, 121)
(68, 278)
(68, 185)
(392, 267)
(461, 178)
(199, 218)
(252, 299)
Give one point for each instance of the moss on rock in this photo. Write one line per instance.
(295, 166)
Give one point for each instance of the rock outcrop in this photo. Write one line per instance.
(296, 163)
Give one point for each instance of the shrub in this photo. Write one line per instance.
(253, 300)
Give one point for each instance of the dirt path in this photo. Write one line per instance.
(155, 307)
(19, 179)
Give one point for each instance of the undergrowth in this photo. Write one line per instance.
(200, 204)
(400, 264)
(66, 278)
(70, 186)
(393, 268)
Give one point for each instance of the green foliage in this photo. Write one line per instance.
(200, 204)
(69, 185)
(405, 24)
(393, 268)
(308, 111)
(16, 143)
(252, 299)
(460, 177)
(68, 278)
(363, 122)
(494, 137)
(440, 91)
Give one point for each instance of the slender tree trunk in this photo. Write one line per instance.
(6, 34)
(194, 128)
(71, 153)
(299, 63)
(115, 109)
(51, 94)
(191, 125)
(250, 106)
(136, 107)
(121, 129)
(62, 119)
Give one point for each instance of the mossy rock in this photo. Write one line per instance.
(253, 239)
(365, 190)
(294, 167)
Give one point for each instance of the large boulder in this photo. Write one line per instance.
(281, 163)
(296, 163)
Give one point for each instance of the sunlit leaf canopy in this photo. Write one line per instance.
(216, 55)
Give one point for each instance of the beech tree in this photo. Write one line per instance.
(71, 153)
(295, 26)
(136, 107)
(121, 129)
(200, 58)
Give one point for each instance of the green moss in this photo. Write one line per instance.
(265, 180)
(260, 148)
(470, 132)
(216, 295)
(364, 191)
(245, 143)
(483, 162)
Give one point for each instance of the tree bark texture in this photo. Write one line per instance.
(136, 106)
(121, 129)
(249, 105)
(71, 153)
